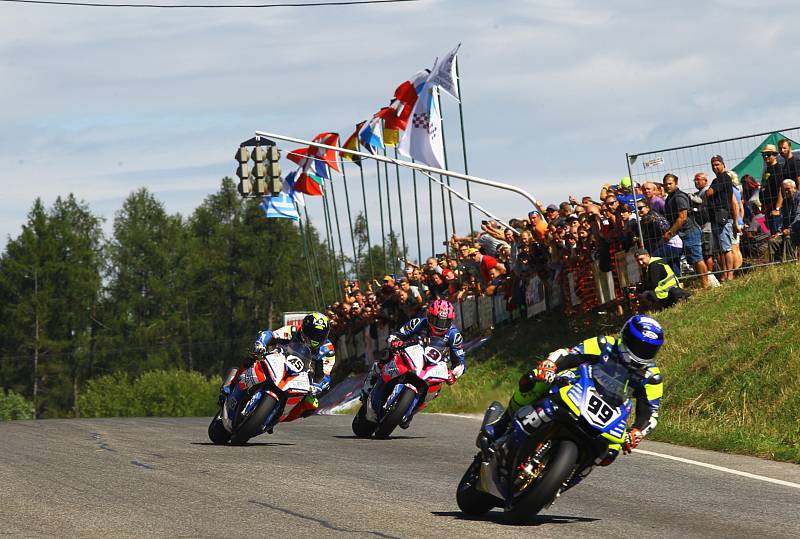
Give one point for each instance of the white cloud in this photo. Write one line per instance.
(102, 101)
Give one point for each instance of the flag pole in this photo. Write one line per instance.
(463, 140)
(315, 262)
(350, 220)
(430, 201)
(366, 220)
(380, 206)
(338, 227)
(449, 194)
(392, 254)
(400, 201)
(315, 281)
(416, 213)
(331, 247)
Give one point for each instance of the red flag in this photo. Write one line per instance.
(320, 156)
(309, 183)
(395, 116)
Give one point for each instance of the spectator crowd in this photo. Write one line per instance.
(707, 231)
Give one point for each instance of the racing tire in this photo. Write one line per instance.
(470, 500)
(216, 430)
(361, 426)
(561, 465)
(393, 418)
(252, 426)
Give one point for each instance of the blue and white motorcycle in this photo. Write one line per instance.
(582, 419)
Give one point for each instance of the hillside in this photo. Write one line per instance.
(732, 374)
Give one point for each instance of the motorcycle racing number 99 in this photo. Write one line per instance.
(599, 411)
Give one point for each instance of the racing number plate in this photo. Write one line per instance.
(598, 411)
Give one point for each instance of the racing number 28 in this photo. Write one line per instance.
(602, 410)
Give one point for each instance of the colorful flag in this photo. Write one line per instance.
(288, 187)
(443, 74)
(422, 140)
(395, 116)
(279, 207)
(309, 183)
(352, 144)
(371, 135)
(318, 159)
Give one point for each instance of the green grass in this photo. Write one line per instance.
(731, 366)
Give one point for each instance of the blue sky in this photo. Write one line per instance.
(100, 102)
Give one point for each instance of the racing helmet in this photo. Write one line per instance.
(315, 328)
(441, 314)
(640, 340)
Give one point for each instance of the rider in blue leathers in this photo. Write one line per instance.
(313, 333)
(435, 330)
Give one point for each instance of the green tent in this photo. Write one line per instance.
(753, 164)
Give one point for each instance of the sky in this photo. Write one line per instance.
(100, 101)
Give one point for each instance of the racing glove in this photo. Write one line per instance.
(321, 386)
(394, 342)
(632, 439)
(451, 378)
(545, 371)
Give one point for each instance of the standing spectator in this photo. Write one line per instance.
(737, 193)
(656, 203)
(771, 196)
(485, 263)
(677, 208)
(791, 164)
(538, 224)
(551, 213)
(701, 217)
(626, 194)
(723, 213)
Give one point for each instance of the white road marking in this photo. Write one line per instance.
(720, 468)
(463, 416)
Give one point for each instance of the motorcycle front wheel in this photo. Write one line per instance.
(361, 427)
(561, 463)
(393, 418)
(252, 426)
(216, 430)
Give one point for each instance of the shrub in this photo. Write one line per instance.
(170, 393)
(14, 406)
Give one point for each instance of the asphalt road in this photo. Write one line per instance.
(153, 476)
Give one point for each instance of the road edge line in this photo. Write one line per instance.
(719, 468)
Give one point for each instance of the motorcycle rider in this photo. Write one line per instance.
(436, 330)
(635, 347)
(313, 332)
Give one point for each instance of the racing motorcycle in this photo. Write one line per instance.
(270, 389)
(412, 377)
(548, 445)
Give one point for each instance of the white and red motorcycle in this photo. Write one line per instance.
(412, 377)
(268, 391)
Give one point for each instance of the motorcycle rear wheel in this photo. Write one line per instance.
(392, 419)
(562, 463)
(470, 500)
(252, 425)
(216, 430)
(361, 426)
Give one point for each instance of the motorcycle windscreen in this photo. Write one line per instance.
(598, 408)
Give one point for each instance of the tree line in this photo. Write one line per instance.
(163, 292)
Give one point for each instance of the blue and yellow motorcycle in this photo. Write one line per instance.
(547, 446)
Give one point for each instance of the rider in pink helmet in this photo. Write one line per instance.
(436, 329)
(441, 314)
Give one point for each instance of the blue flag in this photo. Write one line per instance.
(279, 207)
